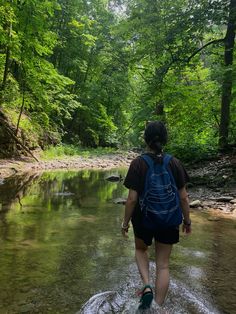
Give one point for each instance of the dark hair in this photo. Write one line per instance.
(155, 135)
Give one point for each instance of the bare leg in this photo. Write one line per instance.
(142, 260)
(163, 252)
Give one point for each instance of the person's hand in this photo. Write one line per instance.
(186, 227)
(124, 229)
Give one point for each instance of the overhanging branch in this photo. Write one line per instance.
(175, 60)
(215, 41)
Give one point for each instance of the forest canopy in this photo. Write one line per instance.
(92, 73)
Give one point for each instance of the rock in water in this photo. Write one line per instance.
(195, 203)
(213, 218)
(64, 193)
(224, 199)
(114, 178)
(120, 201)
(105, 302)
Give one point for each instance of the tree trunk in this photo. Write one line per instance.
(228, 77)
(6, 67)
(7, 59)
(21, 111)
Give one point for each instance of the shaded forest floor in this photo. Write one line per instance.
(212, 186)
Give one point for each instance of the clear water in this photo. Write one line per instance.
(61, 251)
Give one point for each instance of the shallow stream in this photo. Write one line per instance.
(61, 251)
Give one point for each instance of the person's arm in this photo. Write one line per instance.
(129, 209)
(184, 203)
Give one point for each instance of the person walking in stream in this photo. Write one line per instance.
(157, 205)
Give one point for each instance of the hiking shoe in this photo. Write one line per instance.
(146, 298)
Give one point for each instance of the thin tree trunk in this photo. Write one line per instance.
(22, 78)
(21, 110)
(228, 77)
(6, 67)
(7, 59)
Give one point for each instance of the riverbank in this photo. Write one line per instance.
(212, 187)
(9, 167)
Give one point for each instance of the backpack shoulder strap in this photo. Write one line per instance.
(166, 159)
(149, 161)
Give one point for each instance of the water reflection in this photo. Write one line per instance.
(60, 245)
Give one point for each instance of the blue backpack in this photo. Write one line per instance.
(159, 201)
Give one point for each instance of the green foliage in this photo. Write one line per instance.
(61, 151)
(92, 73)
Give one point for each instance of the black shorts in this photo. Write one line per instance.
(168, 235)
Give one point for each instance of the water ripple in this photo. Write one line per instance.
(180, 300)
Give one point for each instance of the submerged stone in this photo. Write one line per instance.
(64, 193)
(224, 199)
(213, 218)
(195, 203)
(114, 178)
(120, 201)
(104, 302)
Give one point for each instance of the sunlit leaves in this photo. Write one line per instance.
(96, 71)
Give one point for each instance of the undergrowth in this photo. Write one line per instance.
(63, 150)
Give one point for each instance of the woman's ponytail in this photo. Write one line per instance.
(155, 136)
